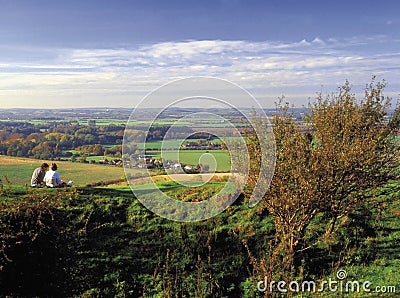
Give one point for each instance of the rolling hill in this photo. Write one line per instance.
(18, 171)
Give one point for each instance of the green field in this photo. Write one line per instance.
(19, 171)
(191, 122)
(97, 158)
(169, 144)
(103, 122)
(99, 122)
(192, 157)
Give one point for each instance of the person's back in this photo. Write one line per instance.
(38, 175)
(52, 178)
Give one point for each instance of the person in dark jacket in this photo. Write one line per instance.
(38, 175)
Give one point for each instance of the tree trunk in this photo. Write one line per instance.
(331, 228)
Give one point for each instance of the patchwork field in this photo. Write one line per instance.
(193, 157)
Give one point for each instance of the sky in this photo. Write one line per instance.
(97, 53)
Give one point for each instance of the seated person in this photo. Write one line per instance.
(38, 175)
(52, 178)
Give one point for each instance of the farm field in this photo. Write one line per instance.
(19, 170)
(192, 157)
(168, 144)
(186, 156)
(97, 158)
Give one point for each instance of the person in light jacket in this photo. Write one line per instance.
(53, 179)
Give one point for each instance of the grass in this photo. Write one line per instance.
(142, 244)
(169, 144)
(19, 170)
(97, 158)
(174, 144)
(190, 193)
(99, 122)
(384, 270)
(103, 122)
(192, 157)
(196, 122)
(187, 156)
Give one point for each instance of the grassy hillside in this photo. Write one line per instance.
(101, 242)
(19, 170)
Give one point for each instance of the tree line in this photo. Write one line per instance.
(54, 139)
(47, 141)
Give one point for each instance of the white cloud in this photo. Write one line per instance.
(121, 76)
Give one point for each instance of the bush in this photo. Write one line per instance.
(61, 243)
